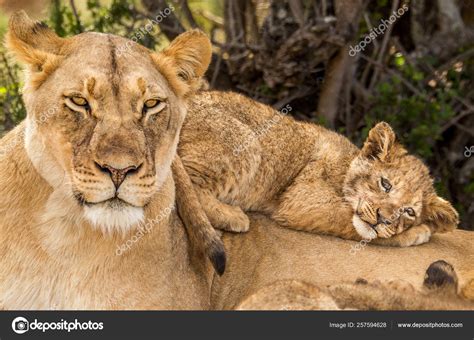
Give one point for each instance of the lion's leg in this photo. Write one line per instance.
(313, 205)
(201, 233)
(221, 215)
(411, 237)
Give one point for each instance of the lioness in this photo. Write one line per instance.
(305, 176)
(89, 165)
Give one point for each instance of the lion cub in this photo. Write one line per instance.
(244, 156)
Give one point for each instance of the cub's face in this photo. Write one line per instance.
(104, 115)
(391, 191)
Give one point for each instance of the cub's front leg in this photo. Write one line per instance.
(221, 215)
(335, 221)
(411, 237)
(314, 206)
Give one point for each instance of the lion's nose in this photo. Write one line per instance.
(117, 175)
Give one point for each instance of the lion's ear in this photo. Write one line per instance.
(439, 214)
(185, 61)
(33, 44)
(381, 143)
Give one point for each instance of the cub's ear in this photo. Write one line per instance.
(439, 214)
(381, 143)
(185, 61)
(34, 45)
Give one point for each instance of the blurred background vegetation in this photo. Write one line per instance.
(418, 75)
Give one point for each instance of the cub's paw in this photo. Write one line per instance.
(422, 235)
(230, 218)
(412, 237)
(384, 231)
(238, 222)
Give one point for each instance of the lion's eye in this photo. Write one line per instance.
(410, 212)
(151, 103)
(385, 184)
(79, 101)
(152, 106)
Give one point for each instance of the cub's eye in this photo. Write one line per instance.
(79, 101)
(385, 184)
(151, 103)
(410, 212)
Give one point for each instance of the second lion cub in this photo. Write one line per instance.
(305, 176)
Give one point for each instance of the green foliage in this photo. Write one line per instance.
(418, 116)
(418, 111)
(13, 109)
(120, 17)
(401, 110)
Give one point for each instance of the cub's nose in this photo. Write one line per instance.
(117, 175)
(381, 219)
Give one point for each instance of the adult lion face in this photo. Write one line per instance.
(391, 191)
(103, 120)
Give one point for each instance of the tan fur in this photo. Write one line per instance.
(289, 295)
(23, 39)
(468, 289)
(270, 253)
(440, 291)
(361, 295)
(53, 258)
(305, 176)
(203, 236)
(183, 64)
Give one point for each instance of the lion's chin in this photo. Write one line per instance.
(110, 217)
(363, 228)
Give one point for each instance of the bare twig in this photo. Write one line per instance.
(383, 48)
(296, 8)
(76, 15)
(449, 64)
(171, 26)
(465, 129)
(216, 20)
(395, 73)
(454, 121)
(348, 13)
(188, 14)
(216, 71)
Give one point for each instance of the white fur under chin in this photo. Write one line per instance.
(112, 220)
(365, 231)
